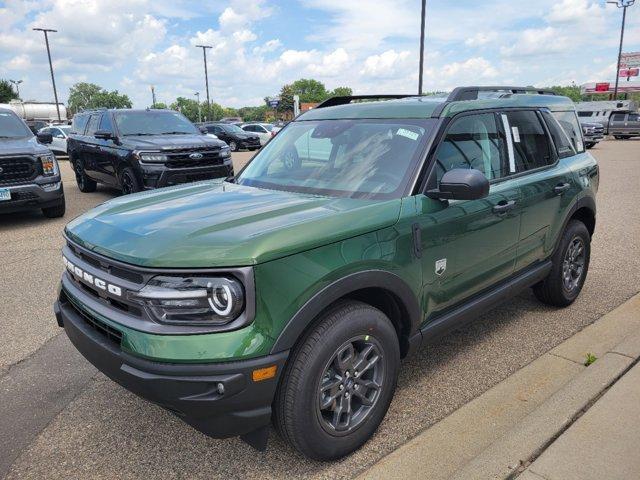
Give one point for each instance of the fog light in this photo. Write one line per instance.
(49, 187)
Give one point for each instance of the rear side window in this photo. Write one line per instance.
(473, 142)
(569, 123)
(531, 146)
(564, 145)
(93, 124)
(106, 124)
(79, 123)
(633, 117)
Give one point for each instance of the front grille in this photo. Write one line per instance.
(207, 161)
(17, 170)
(96, 324)
(105, 266)
(21, 195)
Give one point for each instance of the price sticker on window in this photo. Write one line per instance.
(516, 134)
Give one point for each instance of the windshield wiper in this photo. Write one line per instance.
(139, 134)
(175, 133)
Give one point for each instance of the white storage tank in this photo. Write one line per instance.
(36, 110)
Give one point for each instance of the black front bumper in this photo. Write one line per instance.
(42, 193)
(218, 399)
(157, 176)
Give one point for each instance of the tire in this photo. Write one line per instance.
(128, 181)
(233, 146)
(563, 284)
(349, 327)
(85, 184)
(56, 211)
(589, 146)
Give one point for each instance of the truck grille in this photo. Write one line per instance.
(186, 162)
(17, 170)
(96, 324)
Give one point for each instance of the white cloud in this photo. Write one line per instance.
(477, 67)
(571, 11)
(332, 64)
(480, 39)
(537, 41)
(19, 62)
(386, 64)
(267, 47)
(244, 36)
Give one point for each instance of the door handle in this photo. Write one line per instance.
(504, 206)
(561, 188)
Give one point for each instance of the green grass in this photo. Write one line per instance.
(589, 359)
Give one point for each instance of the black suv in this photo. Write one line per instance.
(29, 172)
(142, 149)
(233, 135)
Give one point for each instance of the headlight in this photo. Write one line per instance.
(192, 300)
(49, 164)
(152, 157)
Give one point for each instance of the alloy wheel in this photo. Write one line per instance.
(350, 385)
(573, 264)
(127, 184)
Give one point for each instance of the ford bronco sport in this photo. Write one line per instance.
(29, 172)
(136, 150)
(362, 231)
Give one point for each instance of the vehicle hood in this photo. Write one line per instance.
(170, 142)
(21, 146)
(220, 224)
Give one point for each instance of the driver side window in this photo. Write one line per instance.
(313, 149)
(473, 142)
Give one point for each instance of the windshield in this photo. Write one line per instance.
(267, 126)
(154, 123)
(230, 128)
(12, 127)
(352, 158)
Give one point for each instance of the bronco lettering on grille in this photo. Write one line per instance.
(91, 279)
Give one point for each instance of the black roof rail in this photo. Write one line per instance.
(334, 101)
(471, 93)
(89, 110)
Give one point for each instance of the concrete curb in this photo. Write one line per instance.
(496, 433)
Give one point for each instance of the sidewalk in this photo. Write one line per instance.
(554, 419)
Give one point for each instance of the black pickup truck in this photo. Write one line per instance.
(29, 172)
(136, 150)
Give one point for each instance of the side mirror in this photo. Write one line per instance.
(203, 130)
(44, 138)
(103, 135)
(462, 184)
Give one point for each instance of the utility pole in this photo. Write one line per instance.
(17, 84)
(53, 79)
(422, 24)
(623, 4)
(153, 97)
(206, 74)
(197, 94)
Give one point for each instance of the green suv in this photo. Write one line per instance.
(364, 230)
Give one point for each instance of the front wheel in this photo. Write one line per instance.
(233, 146)
(339, 382)
(570, 265)
(56, 211)
(128, 182)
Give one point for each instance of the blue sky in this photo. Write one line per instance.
(259, 45)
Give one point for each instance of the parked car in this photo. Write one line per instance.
(592, 133)
(29, 173)
(59, 134)
(232, 135)
(264, 130)
(137, 150)
(625, 125)
(292, 291)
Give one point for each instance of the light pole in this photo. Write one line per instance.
(422, 22)
(206, 74)
(153, 96)
(623, 4)
(53, 79)
(17, 84)
(197, 94)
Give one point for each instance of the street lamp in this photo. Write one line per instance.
(53, 79)
(422, 22)
(206, 75)
(17, 84)
(197, 94)
(623, 4)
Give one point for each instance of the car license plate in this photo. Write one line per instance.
(5, 194)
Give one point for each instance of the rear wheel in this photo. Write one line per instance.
(589, 145)
(570, 265)
(55, 211)
(85, 184)
(128, 181)
(339, 382)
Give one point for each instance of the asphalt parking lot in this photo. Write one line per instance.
(63, 419)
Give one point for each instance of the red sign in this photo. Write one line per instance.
(629, 72)
(602, 87)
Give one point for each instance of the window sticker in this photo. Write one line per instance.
(407, 133)
(507, 129)
(516, 134)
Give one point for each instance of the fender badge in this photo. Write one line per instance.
(441, 266)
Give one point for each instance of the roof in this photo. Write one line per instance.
(435, 106)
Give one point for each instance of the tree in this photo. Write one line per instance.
(286, 98)
(84, 96)
(310, 90)
(6, 92)
(159, 106)
(341, 92)
(572, 91)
